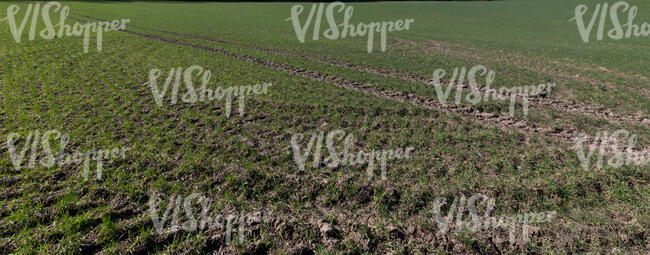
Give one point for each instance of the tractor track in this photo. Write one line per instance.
(467, 113)
(534, 102)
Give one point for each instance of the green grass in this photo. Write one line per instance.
(244, 163)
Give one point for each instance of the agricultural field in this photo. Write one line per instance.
(459, 127)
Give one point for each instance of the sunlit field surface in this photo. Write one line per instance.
(245, 163)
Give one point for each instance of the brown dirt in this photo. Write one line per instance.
(468, 113)
(327, 231)
(560, 103)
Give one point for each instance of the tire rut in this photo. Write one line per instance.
(534, 102)
(467, 113)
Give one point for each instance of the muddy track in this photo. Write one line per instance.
(286, 53)
(467, 113)
(403, 76)
(538, 101)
